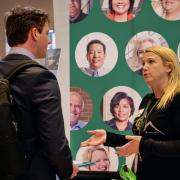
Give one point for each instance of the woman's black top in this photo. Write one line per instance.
(160, 143)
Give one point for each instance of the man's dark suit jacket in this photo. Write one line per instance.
(37, 105)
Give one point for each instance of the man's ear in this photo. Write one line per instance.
(34, 33)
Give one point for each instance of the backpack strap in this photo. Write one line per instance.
(22, 66)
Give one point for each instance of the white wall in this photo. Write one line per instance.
(61, 28)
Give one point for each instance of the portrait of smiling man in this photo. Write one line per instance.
(96, 56)
(76, 109)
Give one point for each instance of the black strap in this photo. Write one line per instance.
(22, 66)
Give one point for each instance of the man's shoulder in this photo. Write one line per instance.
(15, 56)
(34, 71)
(11, 61)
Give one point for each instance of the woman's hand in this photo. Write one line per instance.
(131, 147)
(98, 137)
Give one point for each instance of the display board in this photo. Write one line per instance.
(113, 46)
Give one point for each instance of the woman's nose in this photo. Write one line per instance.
(145, 66)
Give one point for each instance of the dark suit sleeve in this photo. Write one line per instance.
(47, 109)
(114, 140)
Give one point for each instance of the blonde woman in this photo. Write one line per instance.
(99, 156)
(157, 128)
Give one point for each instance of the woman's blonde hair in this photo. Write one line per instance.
(170, 58)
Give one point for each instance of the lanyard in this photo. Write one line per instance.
(141, 121)
(146, 113)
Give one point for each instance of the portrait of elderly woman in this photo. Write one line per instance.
(138, 44)
(142, 43)
(121, 108)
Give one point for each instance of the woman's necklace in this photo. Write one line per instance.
(149, 112)
(141, 121)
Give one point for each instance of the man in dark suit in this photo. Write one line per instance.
(36, 97)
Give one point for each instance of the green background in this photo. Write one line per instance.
(121, 75)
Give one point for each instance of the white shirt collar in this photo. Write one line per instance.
(20, 50)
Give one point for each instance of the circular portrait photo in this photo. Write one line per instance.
(167, 9)
(119, 107)
(96, 54)
(138, 44)
(178, 52)
(102, 158)
(81, 108)
(121, 10)
(79, 10)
